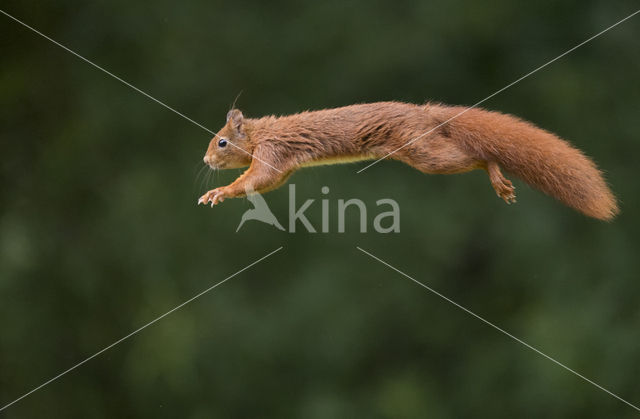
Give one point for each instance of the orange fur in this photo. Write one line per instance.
(477, 139)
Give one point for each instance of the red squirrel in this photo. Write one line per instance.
(275, 147)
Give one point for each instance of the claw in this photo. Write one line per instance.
(214, 197)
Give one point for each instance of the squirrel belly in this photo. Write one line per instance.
(338, 160)
(458, 140)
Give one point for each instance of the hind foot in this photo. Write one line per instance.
(503, 186)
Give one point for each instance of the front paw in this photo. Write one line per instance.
(214, 196)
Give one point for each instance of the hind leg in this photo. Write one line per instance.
(503, 186)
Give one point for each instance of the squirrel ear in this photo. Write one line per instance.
(236, 117)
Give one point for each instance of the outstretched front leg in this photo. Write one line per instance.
(259, 177)
(503, 186)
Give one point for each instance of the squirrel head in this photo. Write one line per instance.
(230, 148)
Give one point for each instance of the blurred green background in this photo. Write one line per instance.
(100, 232)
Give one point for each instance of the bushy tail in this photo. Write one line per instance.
(538, 157)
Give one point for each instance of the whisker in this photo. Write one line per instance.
(203, 182)
(201, 172)
(212, 178)
(195, 166)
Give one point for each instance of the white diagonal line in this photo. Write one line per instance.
(498, 328)
(500, 91)
(139, 329)
(107, 72)
(130, 85)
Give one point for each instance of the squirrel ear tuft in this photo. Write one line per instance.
(236, 117)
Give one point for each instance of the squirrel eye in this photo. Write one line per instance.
(222, 143)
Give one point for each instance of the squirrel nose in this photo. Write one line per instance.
(206, 159)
